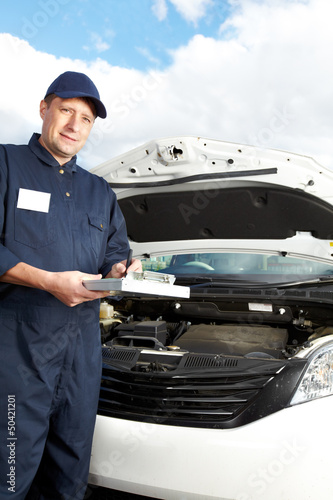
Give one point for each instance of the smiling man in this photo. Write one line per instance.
(59, 225)
(66, 125)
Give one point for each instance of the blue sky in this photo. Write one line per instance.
(251, 72)
(127, 33)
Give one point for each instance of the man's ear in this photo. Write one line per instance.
(42, 109)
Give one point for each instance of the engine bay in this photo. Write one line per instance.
(210, 361)
(216, 327)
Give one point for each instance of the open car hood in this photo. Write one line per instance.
(187, 192)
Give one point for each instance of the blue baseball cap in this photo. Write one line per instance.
(72, 84)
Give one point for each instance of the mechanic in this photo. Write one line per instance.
(59, 225)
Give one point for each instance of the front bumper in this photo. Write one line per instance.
(284, 456)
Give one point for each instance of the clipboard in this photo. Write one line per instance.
(140, 284)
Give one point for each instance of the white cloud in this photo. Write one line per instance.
(96, 43)
(148, 55)
(192, 10)
(160, 9)
(267, 81)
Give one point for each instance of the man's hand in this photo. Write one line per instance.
(118, 270)
(69, 289)
(65, 286)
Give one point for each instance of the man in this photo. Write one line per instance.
(59, 225)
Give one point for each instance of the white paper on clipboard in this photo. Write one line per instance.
(142, 284)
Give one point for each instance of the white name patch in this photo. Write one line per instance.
(29, 199)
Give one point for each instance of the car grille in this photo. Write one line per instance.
(198, 391)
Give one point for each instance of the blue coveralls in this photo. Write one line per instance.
(50, 354)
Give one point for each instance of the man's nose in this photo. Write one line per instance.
(73, 123)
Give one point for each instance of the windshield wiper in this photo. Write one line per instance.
(320, 280)
(209, 283)
(224, 283)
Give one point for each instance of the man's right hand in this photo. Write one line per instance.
(65, 286)
(68, 287)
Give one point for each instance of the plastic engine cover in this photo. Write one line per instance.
(234, 340)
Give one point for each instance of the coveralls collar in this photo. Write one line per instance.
(46, 157)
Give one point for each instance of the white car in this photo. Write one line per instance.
(225, 394)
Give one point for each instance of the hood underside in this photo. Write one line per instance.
(233, 213)
(194, 188)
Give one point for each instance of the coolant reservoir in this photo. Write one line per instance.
(106, 310)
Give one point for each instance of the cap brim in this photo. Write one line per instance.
(100, 108)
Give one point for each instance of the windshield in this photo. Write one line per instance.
(252, 266)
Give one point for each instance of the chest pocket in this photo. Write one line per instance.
(97, 230)
(35, 229)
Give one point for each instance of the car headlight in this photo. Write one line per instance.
(317, 380)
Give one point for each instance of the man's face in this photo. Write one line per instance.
(66, 127)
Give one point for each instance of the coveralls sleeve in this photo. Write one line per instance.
(117, 242)
(7, 258)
